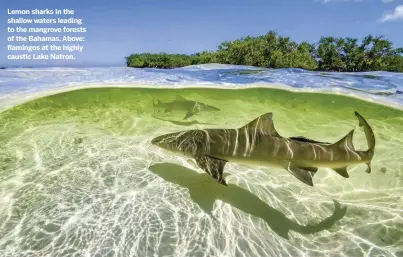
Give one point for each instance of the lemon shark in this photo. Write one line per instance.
(181, 104)
(258, 143)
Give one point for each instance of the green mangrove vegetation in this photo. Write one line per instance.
(274, 51)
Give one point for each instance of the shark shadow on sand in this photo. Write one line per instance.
(182, 123)
(204, 192)
(181, 104)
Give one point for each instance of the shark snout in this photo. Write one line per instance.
(157, 141)
(212, 108)
(165, 141)
(185, 143)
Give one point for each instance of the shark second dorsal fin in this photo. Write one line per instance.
(342, 171)
(264, 124)
(346, 141)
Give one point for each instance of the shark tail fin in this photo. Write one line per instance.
(158, 102)
(369, 134)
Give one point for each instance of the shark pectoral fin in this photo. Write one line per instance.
(264, 124)
(213, 166)
(305, 174)
(188, 115)
(342, 172)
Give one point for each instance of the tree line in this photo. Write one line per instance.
(274, 51)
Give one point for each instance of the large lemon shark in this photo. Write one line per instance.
(258, 143)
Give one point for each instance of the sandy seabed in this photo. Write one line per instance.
(79, 177)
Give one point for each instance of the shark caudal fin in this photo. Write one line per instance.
(347, 142)
(369, 134)
(158, 102)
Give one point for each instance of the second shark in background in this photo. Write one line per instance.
(189, 107)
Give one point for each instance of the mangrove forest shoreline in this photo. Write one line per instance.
(372, 53)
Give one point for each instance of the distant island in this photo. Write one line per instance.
(274, 51)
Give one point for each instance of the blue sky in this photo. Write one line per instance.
(119, 28)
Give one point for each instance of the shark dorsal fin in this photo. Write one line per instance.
(346, 141)
(179, 98)
(264, 124)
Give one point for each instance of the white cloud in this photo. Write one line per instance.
(397, 14)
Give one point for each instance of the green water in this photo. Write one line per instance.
(78, 175)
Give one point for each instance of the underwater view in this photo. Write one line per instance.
(80, 174)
